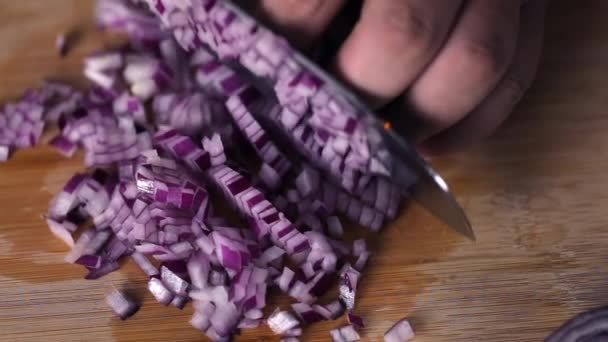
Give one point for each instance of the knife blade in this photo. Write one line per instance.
(431, 191)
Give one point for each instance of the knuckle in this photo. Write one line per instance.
(302, 8)
(405, 28)
(487, 59)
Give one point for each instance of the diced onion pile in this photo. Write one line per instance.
(163, 128)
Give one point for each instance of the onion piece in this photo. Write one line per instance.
(200, 321)
(331, 311)
(345, 333)
(66, 200)
(80, 245)
(355, 320)
(294, 332)
(334, 226)
(173, 282)
(290, 339)
(119, 15)
(306, 313)
(270, 255)
(90, 261)
(4, 153)
(281, 321)
(402, 332)
(359, 247)
(180, 301)
(285, 280)
(62, 230)
(349, 279)
(224, 319)
(159, 291)
(144, 263)
(110, 60)
(248, 323)
(63, 145)
(123, 306)
(105, 268)
(257, 137)
(362, 261)
(97, 241)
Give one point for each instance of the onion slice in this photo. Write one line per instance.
(400, 332)
(345, 333)
(122, 305)
(280, 322)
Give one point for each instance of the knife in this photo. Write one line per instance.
(429, 188)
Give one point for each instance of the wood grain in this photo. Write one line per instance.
(537, 194)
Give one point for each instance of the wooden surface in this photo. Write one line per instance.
(537, 194)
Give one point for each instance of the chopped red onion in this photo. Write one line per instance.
(198, 270)
(294, 332)
(331, 311)
(400, 332)
(62, 230)
(359, 247)
(152, 201)
(4, 153)
(256, 136)
(349, 279)
(61, 44)
(334, 226)
(355, 320)
(63, 145)
(362, 261)
(200, 321)
(119, 15)
(286, 279)
(162, 294)
(270, 255)
(346, 333)
(66, 200)
(90, 261)
(123, 306)
(104, 61)
(180, 301)
(280, 322)
(306, 313)
(249, 323)
(217, 278)
(225, 319)
(341, 247)
(80, 245)
(301, 292)
(97, 242)
(173, 282)
(104, 269)
(144, 263)
(205, 244)
(290, 339)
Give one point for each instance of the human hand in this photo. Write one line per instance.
(460, 65)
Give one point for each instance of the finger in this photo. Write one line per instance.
(498, 105)
(392, 42)
(301, 21)
(470, 64)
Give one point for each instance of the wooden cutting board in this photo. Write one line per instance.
(536, 193)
